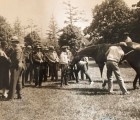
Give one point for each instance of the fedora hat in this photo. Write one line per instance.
(51, 48)
(14, 39)
(64, 47)
(38, 46)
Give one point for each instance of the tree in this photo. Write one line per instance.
(5, 29)
(17, 28)
(32, 38)
(52, 33)
(110, 20)
(71, 36)
(136, 20)
(73, 15)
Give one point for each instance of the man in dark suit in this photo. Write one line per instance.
(16, 69)
(37, 62)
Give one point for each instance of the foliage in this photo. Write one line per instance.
(5, 29)
(71, 36)
(110, 20)
(73, 15)
(17, 28)
(136, 26)
(52, 33)
(31, 38)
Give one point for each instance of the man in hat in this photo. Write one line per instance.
(28, 62)
(54, 62)
(63, 61)
(16, 69)
(113, 56)
(45, 64)
(37, 62)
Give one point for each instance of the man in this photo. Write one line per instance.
(113, 56)
(37, 61)
(54, 62)
(63, 61)
(45, 64)
(28, 63)
(16, 69)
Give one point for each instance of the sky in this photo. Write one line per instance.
(39, 12)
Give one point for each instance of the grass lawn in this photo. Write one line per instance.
(76, 101)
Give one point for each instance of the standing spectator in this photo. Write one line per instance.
(24, 65)
(54, 62)
(37, 61)
(45, 64)
(113, 56)
(63, 63)
(4, 70)
(16, 69)
(28, 61)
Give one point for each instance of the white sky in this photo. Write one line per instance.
(40, 11)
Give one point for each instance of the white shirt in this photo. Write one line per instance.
(63, 59)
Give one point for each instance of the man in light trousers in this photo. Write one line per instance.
(114, 55)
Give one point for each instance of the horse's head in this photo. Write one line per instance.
(76, 59)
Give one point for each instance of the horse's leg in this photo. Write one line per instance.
(76, 75)
(135, 81)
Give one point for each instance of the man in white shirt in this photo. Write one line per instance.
(113, 56)
(63, 61)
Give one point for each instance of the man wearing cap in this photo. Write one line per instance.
(16, 69)
(37, 62)
(113, 57)
(28, 62)
(63, 61)
(45, 64)
(53, 61)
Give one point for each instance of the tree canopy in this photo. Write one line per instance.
(71, 36)
(5, 29)
(31, 38)
(110, 20)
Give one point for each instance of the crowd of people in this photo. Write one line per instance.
(22, 64)
(27, 64)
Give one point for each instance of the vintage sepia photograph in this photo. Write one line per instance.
(69, 59)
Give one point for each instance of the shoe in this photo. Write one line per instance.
(4, 97)
(91, 83)
(126, 93)
(77, 81)
(19, 97)
(67, 84)
(36, 86)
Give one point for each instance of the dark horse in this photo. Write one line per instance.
(132, 51)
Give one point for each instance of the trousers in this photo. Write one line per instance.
(15, 82)
(113, 67)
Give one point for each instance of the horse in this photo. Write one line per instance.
(97, 52)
